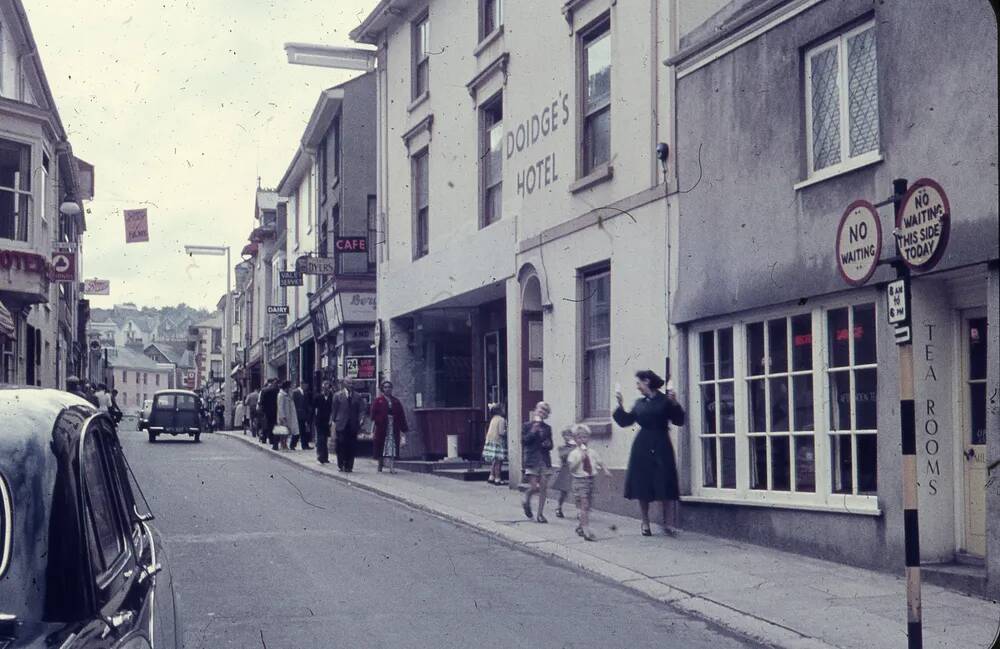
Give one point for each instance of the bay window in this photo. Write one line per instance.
(15, 190)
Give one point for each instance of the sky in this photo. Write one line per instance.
(180, 106)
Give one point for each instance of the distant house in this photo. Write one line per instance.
(137, 377)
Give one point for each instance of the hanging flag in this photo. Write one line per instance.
(136, 226)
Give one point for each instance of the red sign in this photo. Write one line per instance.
(351, 244)
(136, 226)
(64, 266)
(29, 262)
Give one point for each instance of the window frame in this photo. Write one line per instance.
(486, 29)
(103, 575)
(26, 195)
(824, 498)
(847, 162)
(584, 277)
(420, 212)
(487, 112)
(599, 28)
(420, 37)
(371, 218)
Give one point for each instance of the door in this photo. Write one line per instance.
(531, 360)
(974, 430)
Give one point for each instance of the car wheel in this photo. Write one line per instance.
(197, 437)
(152, 437)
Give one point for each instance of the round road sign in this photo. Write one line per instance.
(923, 224)
(859, 242)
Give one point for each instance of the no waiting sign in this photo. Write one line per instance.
(859, 242)
(923, 224)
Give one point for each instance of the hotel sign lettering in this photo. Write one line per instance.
(526, 134)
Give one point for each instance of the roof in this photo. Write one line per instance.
(732, 17)
(175, 351)
(385, 13)
(132, 359)
(211, 323)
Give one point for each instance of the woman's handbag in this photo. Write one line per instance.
(280, 429)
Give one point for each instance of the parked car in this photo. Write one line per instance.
(174, 412)
(143, 414)
(81, 566)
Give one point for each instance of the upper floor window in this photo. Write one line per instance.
(15, 190)
(490, 17)
(841, 79)
(596, 289)
(421, 204)
(491, 159)
(595, 83)
(216, 341)
(372, 214)
(421, 55)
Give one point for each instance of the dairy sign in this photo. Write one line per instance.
(923, 224)
(859, 242)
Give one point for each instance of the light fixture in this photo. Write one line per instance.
(70, 208)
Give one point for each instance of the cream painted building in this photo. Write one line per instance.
(523, 219)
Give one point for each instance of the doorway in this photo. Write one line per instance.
(973, 417)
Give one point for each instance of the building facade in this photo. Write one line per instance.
(792, 376)
(42, 189)
(137, 377)
(206, 340)
(257, 325)
(523, 214)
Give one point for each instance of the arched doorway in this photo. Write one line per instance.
(532, 344)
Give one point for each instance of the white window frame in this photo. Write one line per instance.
(585, 277)
(823, 499)
(420, 35)
(487, 109)
(21, 194)
(847, 163)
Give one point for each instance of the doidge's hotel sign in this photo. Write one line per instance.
(532, 131)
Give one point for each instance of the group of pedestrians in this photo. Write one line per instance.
(652, 468)
(283, 417)
(98, 395)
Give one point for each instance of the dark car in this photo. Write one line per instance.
(80, 564)
(174, 412)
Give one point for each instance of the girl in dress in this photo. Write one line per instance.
(495, 448)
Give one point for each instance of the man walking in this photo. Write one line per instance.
(250, 411)
(346, 412)
(322, 409)
(300, 397)
(268, 405)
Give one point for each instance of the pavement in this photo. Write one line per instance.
(266, 554)
(776, 598)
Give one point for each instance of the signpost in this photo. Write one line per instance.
(64, 266)
(922, 219)
(277, 309)
(289, 278)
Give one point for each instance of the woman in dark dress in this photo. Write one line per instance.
(652, 469)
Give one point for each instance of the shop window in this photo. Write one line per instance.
(596, 329)
(445, 376)
(716, 387)
(853, 390)
(15, 190)
(420, 36)
(491, 160)
(595, 84)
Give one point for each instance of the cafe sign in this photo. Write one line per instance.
(923, 224)
(859, 242)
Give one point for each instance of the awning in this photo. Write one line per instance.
(6, 322)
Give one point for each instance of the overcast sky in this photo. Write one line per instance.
(180, 106)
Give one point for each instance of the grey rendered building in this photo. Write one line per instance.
(787, 112)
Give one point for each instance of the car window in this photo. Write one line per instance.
(6, 524)
(187, 402)
(100, 499)
(165, 401)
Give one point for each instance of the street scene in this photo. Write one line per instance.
(437, 323)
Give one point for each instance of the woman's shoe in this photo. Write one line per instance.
(645, 530)
(669, 531)
(559, 513)
(490, 481)
(541, 519)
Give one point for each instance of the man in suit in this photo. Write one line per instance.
(322, 410)
(268, 405)
(346, 414)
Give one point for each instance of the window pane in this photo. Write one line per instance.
(781, 467)
(758, 462)
(101, 501)
(492, 205)
(707, 340)
(757, 406)
(866, 400)
(825, 108)
(777, 346)
(598, 301)
(802, 342)
(862, 75)
(977, 414)
(727, 446)
(805, 464)
(725, 353)
(755, 348)
(839, 338)
(840, 464)
(708, 408)
(727, 410)
(803, 390)
(867, 463)
(597, 58)
(779, 404)
(840, 400)
(977, 348)
(709, 462)
(597, 136)
(864, 335)
(598, 379)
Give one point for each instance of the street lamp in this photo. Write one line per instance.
(216, 251)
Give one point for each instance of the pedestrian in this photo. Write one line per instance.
(220, 415)
(103, 398)
(288, 420)
(562, 481)
(116, 413)
(322, 411)
(268, 406)
(75, 386)
(389, 426)
(300, 396)
(536, 444)
(347, 409)
(583, 463)
(239, 417)
(652, 468)
(251, 410)
(90, 394)
(495, 447)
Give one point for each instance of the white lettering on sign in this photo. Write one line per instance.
(859, 242)
(895, 293)
(542, 172)
(923, 224)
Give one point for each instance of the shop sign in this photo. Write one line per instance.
(289, 278)
(358, 307)
(351, 244)
(360, 367)
(277, 309)
(540, 172)
(136, 226)
(361, 334)
(923, 224)
(64, 266)
(859, 242)
(29, 262)
(97, 287)
(313, 265)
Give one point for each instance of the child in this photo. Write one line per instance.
(495, 448)
(536, 445)
(583, 463)
(563, 480)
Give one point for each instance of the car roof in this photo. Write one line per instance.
(174, 391)
(28, 413)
